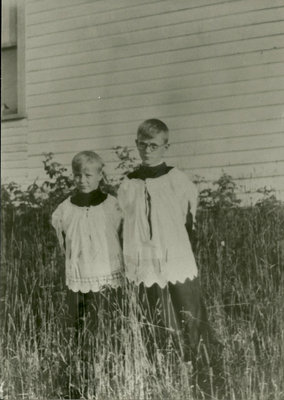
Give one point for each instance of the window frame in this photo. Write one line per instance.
(20, 48)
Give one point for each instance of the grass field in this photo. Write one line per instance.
(241, 259)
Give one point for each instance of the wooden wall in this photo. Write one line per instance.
(14, 150)
(211, 69)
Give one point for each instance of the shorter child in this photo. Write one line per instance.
(87, 225)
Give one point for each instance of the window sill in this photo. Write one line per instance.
(12, 117)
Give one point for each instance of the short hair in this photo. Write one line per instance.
(152, 127)
(86, 157)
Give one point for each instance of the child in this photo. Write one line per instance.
(87, 226)
(159, 205)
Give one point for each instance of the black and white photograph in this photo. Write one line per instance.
(142, 200)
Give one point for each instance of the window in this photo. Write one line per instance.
(12, 60)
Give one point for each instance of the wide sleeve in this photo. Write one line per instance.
(57, 223)
(187, 194)
(114, 212)
(126, 194)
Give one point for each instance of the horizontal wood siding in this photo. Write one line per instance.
(211, 69)
(14, 162)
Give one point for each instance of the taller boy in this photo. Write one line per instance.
(159, 205)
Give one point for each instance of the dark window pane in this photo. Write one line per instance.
(9, 81)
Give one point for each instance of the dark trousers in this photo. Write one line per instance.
(179, 307)
(90, 316)
(86, 310)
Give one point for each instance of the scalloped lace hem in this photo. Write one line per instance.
(95, 284)
(150, 282)
(161, 271)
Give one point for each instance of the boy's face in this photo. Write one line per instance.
(152, 150)
(87, 178)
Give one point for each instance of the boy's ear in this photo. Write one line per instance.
(167, 145)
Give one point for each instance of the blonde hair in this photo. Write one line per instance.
(86, 157)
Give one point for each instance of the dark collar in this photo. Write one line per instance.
(93, 198)
(143, 171)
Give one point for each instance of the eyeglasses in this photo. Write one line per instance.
(152, 146)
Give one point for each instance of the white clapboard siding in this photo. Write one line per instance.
(18, 154)
(82, 54)
(183, 33)
(233, 158)
(48, 12)
(239, 172)
(169, 87)
(203, 52)
(228, 63)
(211, 69)
(18, 137)
(89, 37)
(14, 163)
(88, 136)
(262, 89)
(266, 115)
(12, 171)
(181, 147)
(227, 145)
(189, 109)
(269, 63)
(12, 149)
(99, 102)
(142, 14)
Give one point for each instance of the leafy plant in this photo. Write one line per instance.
(126, 162)
(223, 195)
(268, 198)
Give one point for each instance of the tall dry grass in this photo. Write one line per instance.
(241, 258)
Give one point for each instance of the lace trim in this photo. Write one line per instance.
(150, 271)
(163, 284)
(96, 284)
